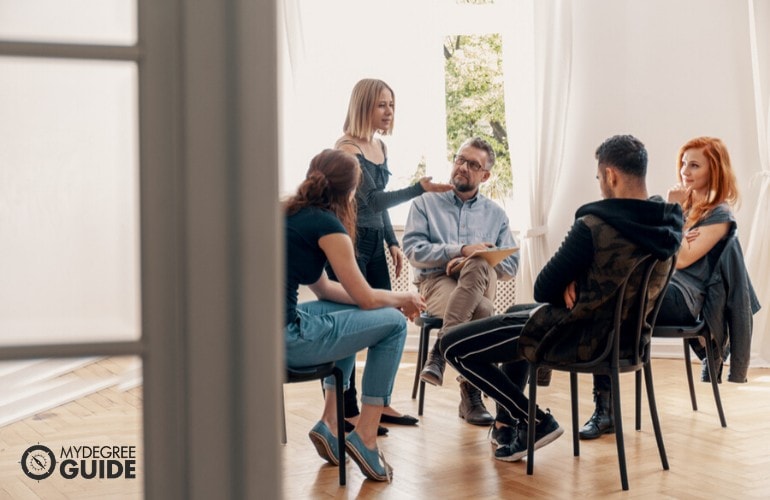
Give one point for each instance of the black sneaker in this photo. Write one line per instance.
(546, 432)
(501, 436)
(514, 451)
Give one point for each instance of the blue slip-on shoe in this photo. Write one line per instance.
(371, 462)
(325, 443)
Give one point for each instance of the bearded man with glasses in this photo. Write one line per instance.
(443, 228)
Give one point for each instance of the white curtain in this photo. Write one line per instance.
(291, 41)
(758, 248)
(553, 65)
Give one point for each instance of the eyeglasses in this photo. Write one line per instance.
(472, 164)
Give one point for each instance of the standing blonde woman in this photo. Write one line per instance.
(371, 112)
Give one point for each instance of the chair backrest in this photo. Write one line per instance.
(639, 295)
(629, 342)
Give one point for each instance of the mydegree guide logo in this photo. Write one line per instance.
(39, 462)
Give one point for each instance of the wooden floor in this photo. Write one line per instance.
(446, 458)
(110, 417)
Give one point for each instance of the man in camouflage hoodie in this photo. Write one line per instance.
(607, 237)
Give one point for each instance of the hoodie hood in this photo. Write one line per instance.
(653, 224)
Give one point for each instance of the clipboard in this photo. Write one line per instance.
(492, 255)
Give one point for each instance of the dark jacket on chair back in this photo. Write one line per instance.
(729, 306)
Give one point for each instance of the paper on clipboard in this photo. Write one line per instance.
(492, 255)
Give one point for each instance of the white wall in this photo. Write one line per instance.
(664, 72)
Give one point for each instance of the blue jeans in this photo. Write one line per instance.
(328, 331)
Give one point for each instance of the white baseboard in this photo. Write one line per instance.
(661, 348)
(667, 348)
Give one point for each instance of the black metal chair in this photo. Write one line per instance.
(701, 332)
(697, 331)
(427, 324)
(308, 373)
(504, 298)
(611, 363)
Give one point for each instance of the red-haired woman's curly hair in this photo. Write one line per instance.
(331, 178)
(722, 187)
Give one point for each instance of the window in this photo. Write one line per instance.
(475, 104)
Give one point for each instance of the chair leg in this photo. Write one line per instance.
(420, 362)
(688, 367)
(619, 430)
(573, 390)
(421, 402)
(712, 364)
(338, 383)
(638, 394)
(283, 417)
(654, 414)
(424, 339)
(531, 419)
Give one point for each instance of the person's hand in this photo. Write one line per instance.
(678, 194)
(412, 305)
(398, 259)
(691, 235)
(570, 295)
(451, 264)
(432, 187)
(468, 250)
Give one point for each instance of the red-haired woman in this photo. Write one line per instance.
(349, 315)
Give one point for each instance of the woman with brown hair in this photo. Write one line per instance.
(349, 315)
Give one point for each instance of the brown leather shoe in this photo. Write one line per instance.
(471, 408)
(433, 371)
